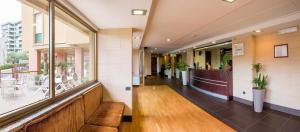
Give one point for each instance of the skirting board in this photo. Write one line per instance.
(271, 106)
(209, 93)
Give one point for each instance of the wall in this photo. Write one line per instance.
(200, 59)
(242, 68)
(135, 67)
(115, 65)
(190, 57)
(283, 73)
(147, 63)
(215, 58)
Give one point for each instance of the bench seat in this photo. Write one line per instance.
(108, 114)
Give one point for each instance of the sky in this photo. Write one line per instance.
(10, 11)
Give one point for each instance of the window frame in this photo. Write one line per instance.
(29, 109)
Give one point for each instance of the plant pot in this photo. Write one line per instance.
(177, 73)
(258, 99)
(184, 77)
(169, 74)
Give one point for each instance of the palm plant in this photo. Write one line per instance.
(260, 81)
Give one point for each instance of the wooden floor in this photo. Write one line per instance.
(160, 109)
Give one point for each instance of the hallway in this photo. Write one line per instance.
(158, 108)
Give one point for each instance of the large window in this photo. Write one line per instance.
(74, 53)
(25, 75)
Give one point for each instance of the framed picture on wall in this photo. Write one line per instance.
(281, 51)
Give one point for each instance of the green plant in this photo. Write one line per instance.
(6, 66)
(257, 67)
(168, 66)
(182, 66)
(260, 81)
(15, 57)
(37, 78)
(225, 60)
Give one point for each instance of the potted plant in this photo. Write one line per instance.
(183, 67)
(260, 82)
(168, 70)
(177, 71)
(37, 80)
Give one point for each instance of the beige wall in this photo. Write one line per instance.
(215, 58)
(135, 63)
(115, 65)
(200, 59)
(283, 73)
(242, 68)
(190, 57)
(147, 63)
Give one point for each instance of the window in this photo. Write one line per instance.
(74, 53)
(38, 26)
(24, 58)
(23, 66)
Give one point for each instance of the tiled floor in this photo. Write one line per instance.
(239, 116)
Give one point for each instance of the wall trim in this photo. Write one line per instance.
(283, 109)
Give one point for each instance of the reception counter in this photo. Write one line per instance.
(213, 82)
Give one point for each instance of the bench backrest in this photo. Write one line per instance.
(67, 118)
(92, 99)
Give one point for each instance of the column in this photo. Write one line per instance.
(79, 63)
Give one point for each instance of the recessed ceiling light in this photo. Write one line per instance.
(138, 12)
(257, 31)
(214, 42)
(230, 1)
(155, 48)
(168, 39)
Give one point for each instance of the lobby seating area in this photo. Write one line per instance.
(84, 113)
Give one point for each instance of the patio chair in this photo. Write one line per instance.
(75, 81)
(8, 85)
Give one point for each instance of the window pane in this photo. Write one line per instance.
(23, 64)
(74, 53)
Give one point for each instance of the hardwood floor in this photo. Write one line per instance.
(158, 108)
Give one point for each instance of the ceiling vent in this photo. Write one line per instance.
(288, 30)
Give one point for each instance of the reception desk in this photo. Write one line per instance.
(213, 82)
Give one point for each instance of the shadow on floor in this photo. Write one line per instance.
(239, 116)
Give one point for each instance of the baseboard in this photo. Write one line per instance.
(282, 109)
(287, 110)
(127, 118)
(243, 101)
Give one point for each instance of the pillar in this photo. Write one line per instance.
(79, 63)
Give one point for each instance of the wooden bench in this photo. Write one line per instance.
(86, 113)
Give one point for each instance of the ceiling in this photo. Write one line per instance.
(184, 22)
(189, 21)
(107, 14)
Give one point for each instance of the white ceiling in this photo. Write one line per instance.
(189, 21)
(115, 14)
(183, 21)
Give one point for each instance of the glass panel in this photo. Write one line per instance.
(23, 65)
(74, 53)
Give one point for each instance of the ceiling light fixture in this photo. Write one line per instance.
(214, 42)
(257, 31)
(155, 48)
(138, 12)
(229, 1)
(168, 39)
